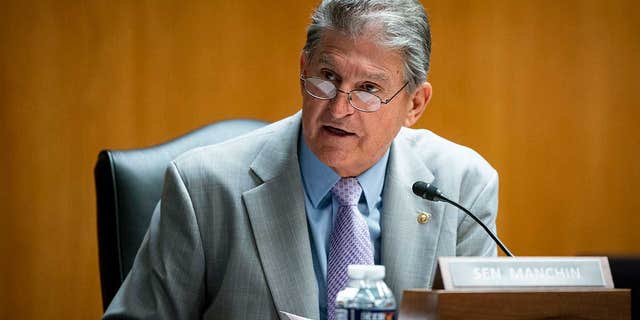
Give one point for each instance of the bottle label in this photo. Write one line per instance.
(359, 314)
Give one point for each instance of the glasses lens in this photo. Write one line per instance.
(320, 88)
(364, 100)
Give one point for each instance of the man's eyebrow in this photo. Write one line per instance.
(324, 59)
(376, 76)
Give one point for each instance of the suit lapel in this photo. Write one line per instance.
(408, 247)
(279, 223)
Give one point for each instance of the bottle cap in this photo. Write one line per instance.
(375, 272)
(357, 271)
(363, 271)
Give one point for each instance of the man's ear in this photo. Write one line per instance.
(303, 62)
(419, 101)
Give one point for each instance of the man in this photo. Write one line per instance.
(256, 225)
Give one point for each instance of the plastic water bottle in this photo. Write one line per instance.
(366, 296)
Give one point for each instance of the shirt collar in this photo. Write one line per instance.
(318, 178)
(372, 181)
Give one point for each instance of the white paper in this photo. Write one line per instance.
(293, 316)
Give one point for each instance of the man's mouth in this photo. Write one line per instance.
(337, 131)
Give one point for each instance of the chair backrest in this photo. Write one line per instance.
(625, 271)
(128, 187)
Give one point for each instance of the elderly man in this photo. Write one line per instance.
(262, 223)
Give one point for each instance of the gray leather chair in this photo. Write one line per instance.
(128, 187)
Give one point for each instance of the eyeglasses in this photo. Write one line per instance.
(359, 99)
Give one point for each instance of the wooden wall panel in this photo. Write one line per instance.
(545, 90)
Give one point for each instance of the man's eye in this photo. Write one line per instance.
(368, 87)
(328, 75)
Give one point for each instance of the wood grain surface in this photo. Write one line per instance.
(546, 90)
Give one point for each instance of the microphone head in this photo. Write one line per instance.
(426, 191)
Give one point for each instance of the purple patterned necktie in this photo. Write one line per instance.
(349, 242)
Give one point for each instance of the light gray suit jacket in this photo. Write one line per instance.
(231, 239)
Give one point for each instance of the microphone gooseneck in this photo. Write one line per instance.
(430, 192)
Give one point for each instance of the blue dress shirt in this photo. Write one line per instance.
(318, 179)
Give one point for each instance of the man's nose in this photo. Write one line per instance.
(340, 106)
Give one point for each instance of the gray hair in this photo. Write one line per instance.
(402, 25)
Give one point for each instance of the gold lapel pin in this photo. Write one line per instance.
(424, 217)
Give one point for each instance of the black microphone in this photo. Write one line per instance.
(430, 192)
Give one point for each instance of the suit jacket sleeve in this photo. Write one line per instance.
(167, 278)
(472, 238)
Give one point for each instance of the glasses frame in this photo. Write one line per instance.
(348, 93)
